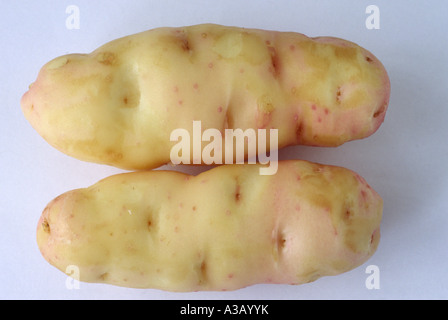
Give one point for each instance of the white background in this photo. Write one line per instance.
(405, 161)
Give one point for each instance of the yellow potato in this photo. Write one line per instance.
(119, 104)
(224, 229)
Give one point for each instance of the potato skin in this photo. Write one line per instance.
(224, 229)
(119, 104)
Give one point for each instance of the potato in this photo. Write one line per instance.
(119, 104)
(224, 229)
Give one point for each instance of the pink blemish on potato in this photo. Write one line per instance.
(180, 102)
(374, 235)
(230, 275)
(275, 62)
(210, 65)
(176, 89)
(228, 212)
(219, 109)
(364, 195)
(242, 70)
(196, 86)
(292, 47)
(354, 131)
(313, 107)
(319, 119)
(359, 178)
(326, 111)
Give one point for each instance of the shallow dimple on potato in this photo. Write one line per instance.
(224, 229)
(127, 96)
(107, 58)
(228, 45)
(46, 226)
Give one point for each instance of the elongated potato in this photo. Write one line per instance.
(119, 104)
(224, 229)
